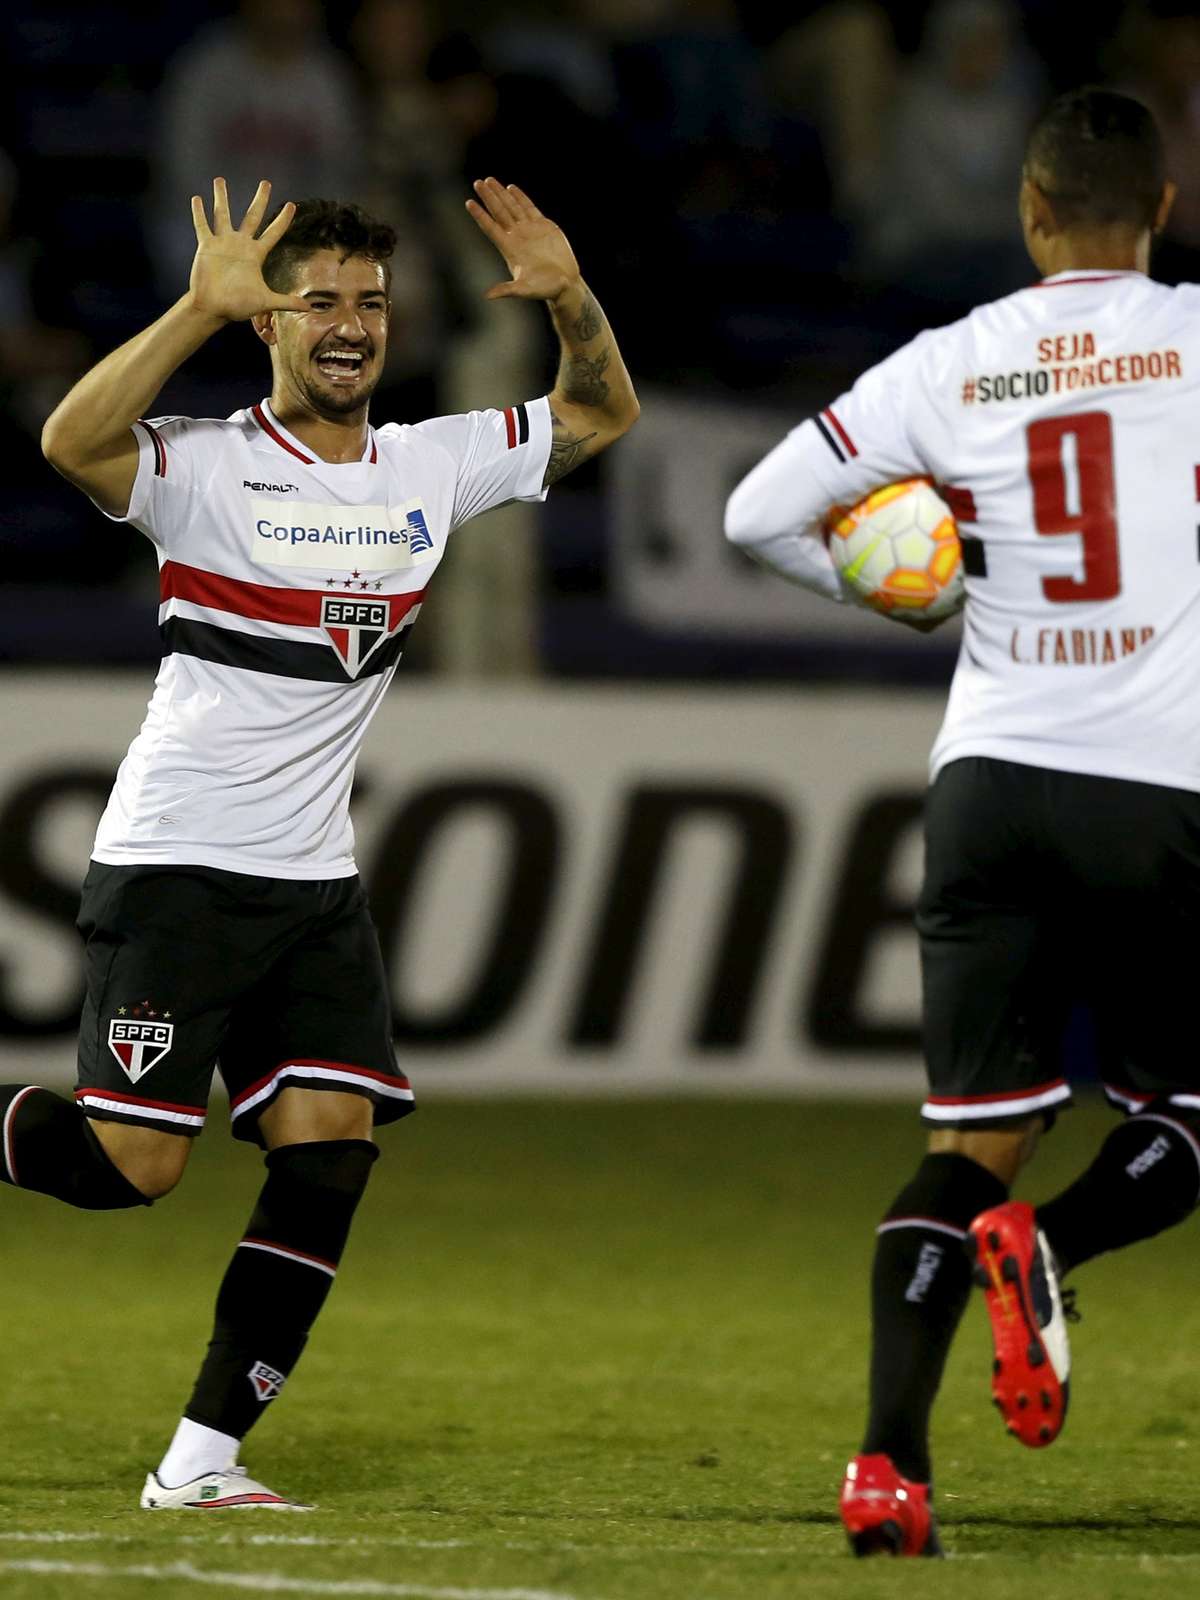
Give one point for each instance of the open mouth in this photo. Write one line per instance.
(340, 366)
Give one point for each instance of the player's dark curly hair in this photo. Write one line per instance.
(1098, 157)
(328, 225)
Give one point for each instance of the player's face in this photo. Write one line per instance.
(333, 354)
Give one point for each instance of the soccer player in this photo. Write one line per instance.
(1063, 820)
(221, 913)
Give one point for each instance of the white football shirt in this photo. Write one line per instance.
(288, 585)
(1059, 423)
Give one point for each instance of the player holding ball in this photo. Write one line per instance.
(1063, 818)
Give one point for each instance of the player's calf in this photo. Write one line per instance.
(920, 1285)
(272, 1292)
(49, 1146)
(1145, 1178)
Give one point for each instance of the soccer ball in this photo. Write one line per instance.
(897, 552)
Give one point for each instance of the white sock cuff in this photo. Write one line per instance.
(194, 1451)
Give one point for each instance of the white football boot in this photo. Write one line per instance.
(231, 1490)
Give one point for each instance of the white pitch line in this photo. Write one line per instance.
(274, 1582)
(351, 1540)
(100, 1536)
(368, 1542)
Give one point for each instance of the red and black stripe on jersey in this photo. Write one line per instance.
(835, 436)
(160, 449)
(254, 652)
(516, 425)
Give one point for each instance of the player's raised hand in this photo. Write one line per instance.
(535, 250)
(227, 279)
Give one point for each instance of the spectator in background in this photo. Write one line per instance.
(437, 112)
(706, 180)
(264, 93)
(838, 67)
(1164, 52)
(694, 84)
(413, 178)
(566, 42)
(943, 221)
(38, 364)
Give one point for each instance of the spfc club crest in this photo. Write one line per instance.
(356, 628)
(138, 1046)
(266, 1381)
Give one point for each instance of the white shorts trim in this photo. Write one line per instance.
(1133, 1102)
(1126, 1101)
(324, 1075)
(1001, 1106)
(181, 1119)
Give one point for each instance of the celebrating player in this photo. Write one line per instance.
(222, 915)
(1063, 821)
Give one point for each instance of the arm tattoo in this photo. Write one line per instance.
(589, 321)
(582, 380)
(567, 450)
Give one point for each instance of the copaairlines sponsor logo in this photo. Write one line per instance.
(305, 534)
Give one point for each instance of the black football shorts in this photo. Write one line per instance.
(1045, 890)
(278, 983)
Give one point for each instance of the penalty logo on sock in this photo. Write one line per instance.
(265, 1381)
(138, 1046)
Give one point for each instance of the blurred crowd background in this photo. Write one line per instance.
(765, 197)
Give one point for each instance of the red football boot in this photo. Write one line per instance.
(1015, 1267)
(884, 1514)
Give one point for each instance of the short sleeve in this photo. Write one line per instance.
(498, 455)
(864, 439)
(171, 462)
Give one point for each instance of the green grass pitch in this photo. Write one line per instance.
(599, 1351)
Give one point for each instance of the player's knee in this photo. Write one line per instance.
(315, 1116)
(152, 1162)
(1002, 1151)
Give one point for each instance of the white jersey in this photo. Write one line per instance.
(288, 586)
(1059, 424)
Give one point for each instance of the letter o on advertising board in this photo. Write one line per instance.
(520, 911)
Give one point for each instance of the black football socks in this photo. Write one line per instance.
(277, 1282)
(1146, 1178)
(920, 1284)
(47, 1144)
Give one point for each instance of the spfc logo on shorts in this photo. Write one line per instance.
(138, 1046)
(266, 1381)
(356, 628)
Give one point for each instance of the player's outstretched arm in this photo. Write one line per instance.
(87, 437)
(592, 402)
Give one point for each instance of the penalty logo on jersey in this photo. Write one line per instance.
(356, 628)
(138, 1046)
